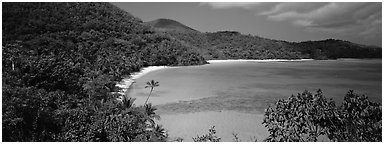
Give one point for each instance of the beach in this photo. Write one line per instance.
(250, 60)
(233, 94)
(126, 83)
(247, 126)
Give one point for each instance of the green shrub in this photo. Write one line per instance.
(358, 119)
(210, 137)
(305, 117)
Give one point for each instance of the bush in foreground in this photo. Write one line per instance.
(210, 137)
(305, 117)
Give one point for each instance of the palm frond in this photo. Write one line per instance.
(152, 84)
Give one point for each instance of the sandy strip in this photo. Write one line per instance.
(127, 82)
(248, 126)
(251, 60)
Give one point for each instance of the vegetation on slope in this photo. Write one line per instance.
(234, 45)
(332, 49)
(169, 25)
(61, 62)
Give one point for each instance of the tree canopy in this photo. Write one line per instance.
(306, 117)
(61, 62)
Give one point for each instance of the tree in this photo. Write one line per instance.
(127, 102)
(358, 120)
(305, 117)
(160, 132)
(298, 118)
(151, 115)
(151, 84)
(61, 64)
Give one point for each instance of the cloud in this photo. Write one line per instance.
(351, 19)
(328, 17)
(299, 7)
(223, 5)
(372, 27)
(331, 15)
(304, 23)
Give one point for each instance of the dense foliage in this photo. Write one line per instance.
(306, 117)
(169, 25)
(357, 119)
(61, 62)
(233, 45)
(332, 49)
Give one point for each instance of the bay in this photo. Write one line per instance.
(233, 95)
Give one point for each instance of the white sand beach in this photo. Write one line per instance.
(247, 126)
(127, 82)
(251, 60)
(233, 96)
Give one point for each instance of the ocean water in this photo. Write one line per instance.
(233, 93)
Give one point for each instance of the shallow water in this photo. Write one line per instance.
(249, 87)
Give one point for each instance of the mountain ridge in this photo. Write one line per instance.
(61, 62)
(163, 24)
(222, 45)
(168, 25)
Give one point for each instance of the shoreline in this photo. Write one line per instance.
(126, 83)
(254, 60)
(226, 109)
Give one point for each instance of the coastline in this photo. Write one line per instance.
(192, 116)
(253, 60)
(126, 83)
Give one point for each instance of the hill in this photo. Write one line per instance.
(234, 45)
(61, 62)
(169, 25)
(333, 49)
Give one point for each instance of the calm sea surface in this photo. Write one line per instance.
(247, 88)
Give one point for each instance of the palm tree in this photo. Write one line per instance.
(160, 132)
(152, 84)
(151, 115)
(128, 102)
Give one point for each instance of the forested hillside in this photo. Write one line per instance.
(234, 45)
(332, 49)
(61, 62)
(169, 25)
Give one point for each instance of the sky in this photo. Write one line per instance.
(354, 21)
